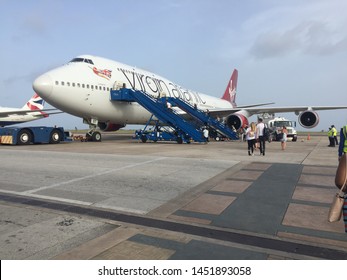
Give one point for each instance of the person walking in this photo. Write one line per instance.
(284, 138)
(250, 137)
(260, 136)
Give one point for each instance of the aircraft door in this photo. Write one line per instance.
(118, 85)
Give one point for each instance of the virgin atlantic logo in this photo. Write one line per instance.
(103, 73)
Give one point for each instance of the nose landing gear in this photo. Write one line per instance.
(94, 136)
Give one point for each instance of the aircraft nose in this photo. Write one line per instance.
(43, 86)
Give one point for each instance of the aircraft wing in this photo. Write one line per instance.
(4, 114)
(259, 110)
(255, 105)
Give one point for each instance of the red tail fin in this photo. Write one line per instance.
(230, 91)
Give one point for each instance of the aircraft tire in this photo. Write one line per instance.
(179, 140)
(55, 137)
(96, 136)
(143, 138)
(24, 137)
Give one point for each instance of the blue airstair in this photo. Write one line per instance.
(158, 107)
(184, 129)
(203, 117)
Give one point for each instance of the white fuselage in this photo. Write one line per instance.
(82, 88)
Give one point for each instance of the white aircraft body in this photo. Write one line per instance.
(32, 110)
(82, 88)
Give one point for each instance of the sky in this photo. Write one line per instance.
(287, 52)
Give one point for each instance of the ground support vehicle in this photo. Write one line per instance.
(155, 136)
(158, 132)
(275, 125)
(32, 135)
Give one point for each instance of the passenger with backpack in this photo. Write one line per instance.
(262, 134)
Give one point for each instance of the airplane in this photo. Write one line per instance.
(32, 110)
(82, 88)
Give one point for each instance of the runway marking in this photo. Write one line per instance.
(89, 176)
(50, 198)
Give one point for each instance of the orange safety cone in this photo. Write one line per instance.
(308, 137)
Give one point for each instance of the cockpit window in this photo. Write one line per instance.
(77, 59)
(81, 59)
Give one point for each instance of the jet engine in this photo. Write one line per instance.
(236, 121)
(308, 119)
(107, 126)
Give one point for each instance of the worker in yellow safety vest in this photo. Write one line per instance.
(334, 134)
(331, 137)
(343, 141)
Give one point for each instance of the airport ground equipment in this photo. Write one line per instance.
(183, 129)
(160, 134)
(94, 136)
(32, 134)
(275, 125)
(79, 137)
(157, 132)
(203, 117)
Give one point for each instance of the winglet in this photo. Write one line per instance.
(230, 91)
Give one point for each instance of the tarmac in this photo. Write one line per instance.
(121, 199)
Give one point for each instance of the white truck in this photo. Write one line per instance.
(275, 125)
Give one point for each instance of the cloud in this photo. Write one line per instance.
(308, 37)
(35, 24)
(321, 40)
(27, 78)
(15, 79)
(274, 44)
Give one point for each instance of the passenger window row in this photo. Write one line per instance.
(79, 85)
